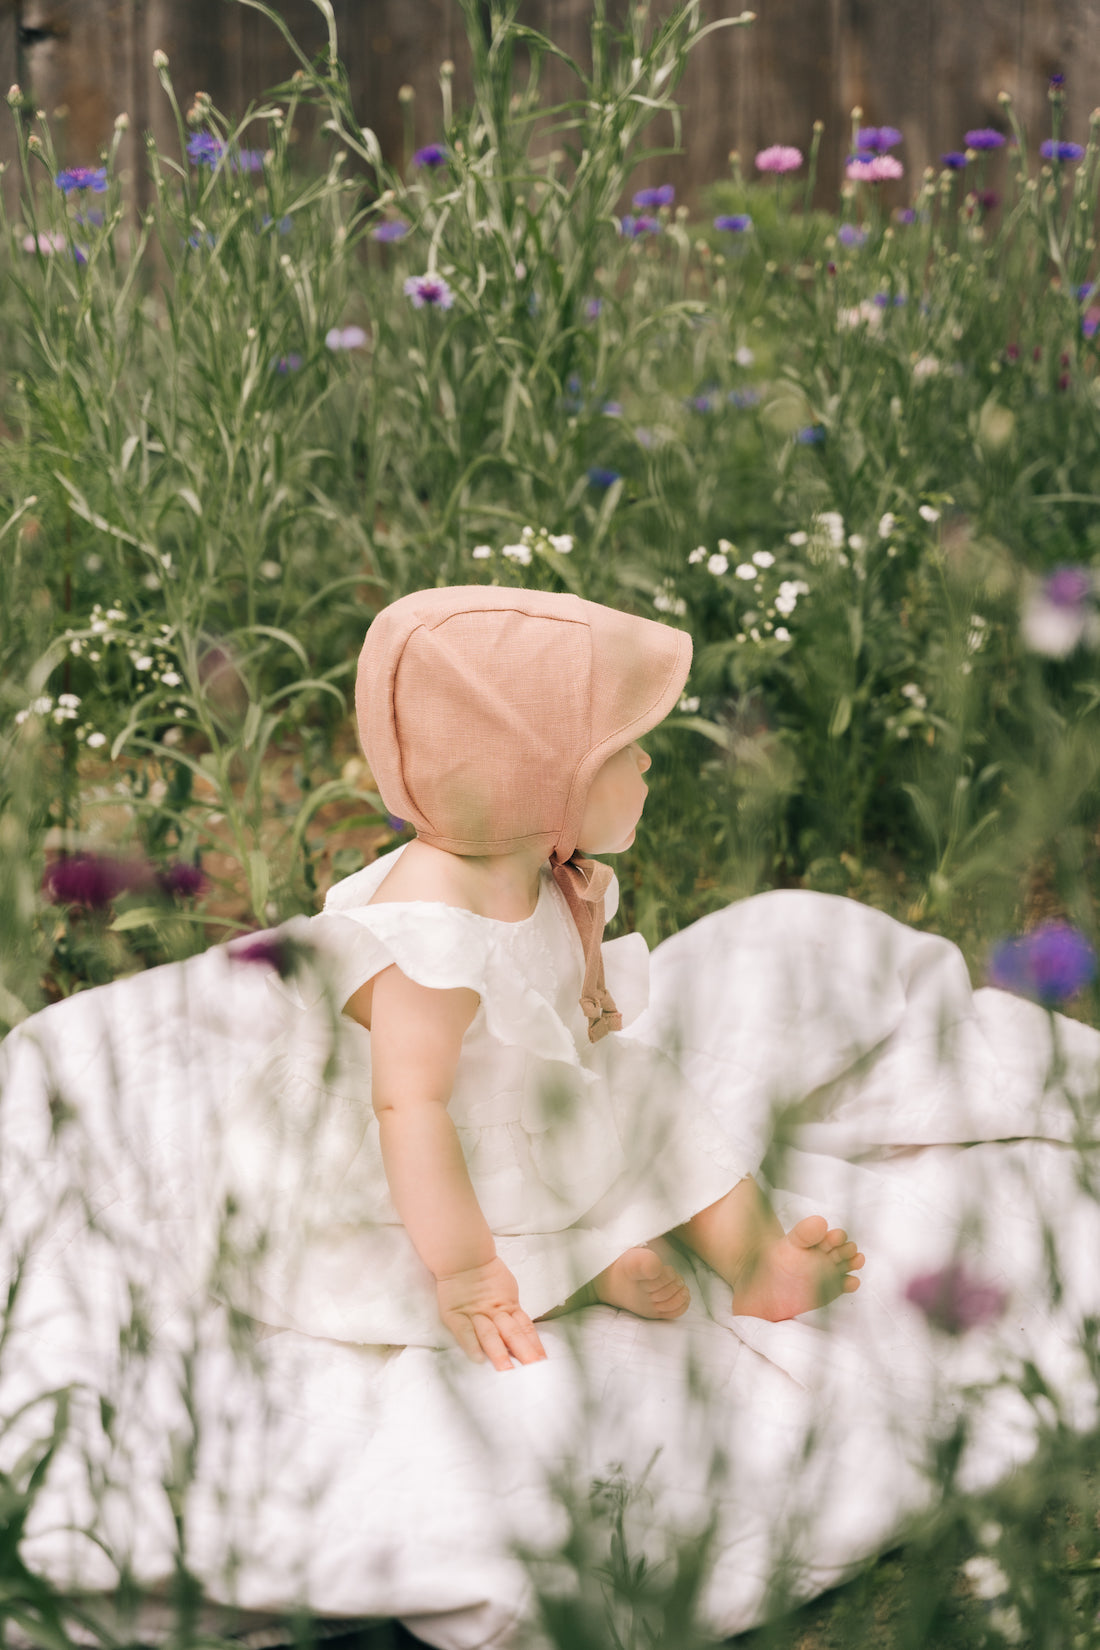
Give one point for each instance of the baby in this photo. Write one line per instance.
(417, 1031)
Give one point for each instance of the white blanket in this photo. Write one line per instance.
(376, 1482)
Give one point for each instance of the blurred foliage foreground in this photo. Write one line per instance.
(854, 453)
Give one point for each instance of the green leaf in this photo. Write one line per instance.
(259, 879)
(841, 717)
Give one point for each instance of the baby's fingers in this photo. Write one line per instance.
(520, 1336)
(491, 1342)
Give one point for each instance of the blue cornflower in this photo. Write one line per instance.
(704, 403)
(954, 160)
(285, 225)
(735, 222)
(247, 160)
(883, 299)
(431, 290)
(287, 363)
(663, 195)
(432, 154)
(811, 436)
(861, 155)
(204, 239)
(1056, 82)
(89, 220)
(592, 308)
(599, 477)
(204, 149)
(743, 398)
(612, 409)
(985, 137)
(1051, 964)
(633, 227)
(878, 139)
(1084, 291)
(395, 229)
(905, 214)
(82, 177)
(850, 234)
(1052, 150)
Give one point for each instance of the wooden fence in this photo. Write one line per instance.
(934, 68)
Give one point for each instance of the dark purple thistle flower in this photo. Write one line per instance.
(271, 949)
(395, 229)
(287, 363)
(984, 137)
(593, 308)
(93, 880)
(204, 149)
(663, 195)
(878, 139)
(735, 222)
(850, 234)
(954, 160)
(633, 227)
(182, 880)
(432, 154)
(1050, 965)
(812, 436)
(1052, 150)
(82, 177)
(599, 477)
(955, 1301)
(905, 214)
(987, 199)
(1068, 586)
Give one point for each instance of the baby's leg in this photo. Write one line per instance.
(638, 1282)
(773, 1274)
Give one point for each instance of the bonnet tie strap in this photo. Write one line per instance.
(584, 883)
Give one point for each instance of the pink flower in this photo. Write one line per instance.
(877, 170)
(953, 1300)
(780, 157)
(48, 242)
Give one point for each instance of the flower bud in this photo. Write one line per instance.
(122, 123)
(14, 95)
(857, 113)
(447, 69)
(160, 59)
(405, 94)
(34, 142)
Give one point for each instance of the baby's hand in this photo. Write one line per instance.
(481, 1309)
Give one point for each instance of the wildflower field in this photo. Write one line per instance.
(855, 451)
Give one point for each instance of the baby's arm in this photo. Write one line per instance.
(416, 1038)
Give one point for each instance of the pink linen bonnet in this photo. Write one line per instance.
(486, 713)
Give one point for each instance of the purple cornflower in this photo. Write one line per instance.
(612, 409)
(599, 477)
(878, 139)
(780, 157)
(1068, 586)
(287, 363)
(850, 234)
(82, 177)
(735, 222)
(743, 398)
(247, 160)
(395, 229)
(1056, 82)
(811, 436)
(954, 160)
(633, 227)
(1083, 292)
(432, 154)
(593, 308)
(271, 949)
(204, 149)
(93, 880)
(205, 239)
(285, 225)
(984, 137)
(905, 214)
(883, 300)
(429, 290)
(1050, 149)
(1090, 321)
(954, 1300)
(182, 880)
(663, 195)
(1050, 964)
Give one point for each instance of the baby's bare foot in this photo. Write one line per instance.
(807, 1267)
(640, 1282)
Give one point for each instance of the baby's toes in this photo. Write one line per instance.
(850, 1284)
(835, 1239)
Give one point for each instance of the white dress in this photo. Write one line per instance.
(576, 1150)
(152, 1129)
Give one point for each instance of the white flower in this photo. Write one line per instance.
(688, 704)
(726, 547)
(95, 657)
(562, 543)
(985, 1576)
(481, 551)
(833, 523)
(782, 634)
(269, 570)
(744, 356)
(901, 733)
(665, 602)
(914, 695)
(143, 662)
(95, 740)
(786, 599)
(42, 706)
(855, 541)
(745, 570)
(717, 564)
(1055, 631)
(763, 558)
(93, 563)
(698, 554)
(115, 613)
(797, 539)
(926, 367)
(150, 581)
(928, 513)
(20, 717)
(68, 700)
(170, 678)
(886, 525)
(517, 552)
(76, 646)
(98, 626)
